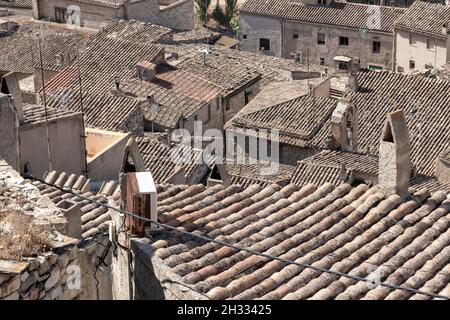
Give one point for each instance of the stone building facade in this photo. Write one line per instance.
(320, 33)
(173, 14)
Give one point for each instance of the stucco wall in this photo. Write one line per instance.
(107, 164)
(419, 52)
(254, 28)
(66, 145)
(359, 46)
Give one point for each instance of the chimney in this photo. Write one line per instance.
(72, 213)
(139, 197)
(145, 70)
(353, 82)
(394, 155)
(445, 28)
(117, 83)
(10, 85)
(344, 126)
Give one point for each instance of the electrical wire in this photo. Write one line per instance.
(240, 248)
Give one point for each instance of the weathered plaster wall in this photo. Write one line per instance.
(66, 145)
(253, 28)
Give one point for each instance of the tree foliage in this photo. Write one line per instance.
(201, 9)
(224, 17)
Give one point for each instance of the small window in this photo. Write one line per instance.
(295, 35)
(412, 39)
(322, 61)
(321, 38)
(264, 44)
(343, 41)
(376, 47)
(400, 69)
(430, 44)
(321, 1)
(412, 64)
(244, 36)
(60, 14)
(343, 65)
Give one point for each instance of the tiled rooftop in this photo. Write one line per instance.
(297, 120)
(162, 160)
(35, 114)
(345, 229)
(133, 31)
(25, 4)
(425, 18)
(103, 111)
(19, 51)
(342, 14)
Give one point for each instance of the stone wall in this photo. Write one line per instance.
(178, 15)
(90, 16)
(68, 275)
(72, 269)
(252, 28)
(9, 147)
(359, 45)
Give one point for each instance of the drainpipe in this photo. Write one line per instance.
(394, 50)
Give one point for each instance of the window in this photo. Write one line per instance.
(412, 64)
(321, 38)
(321, 1)
(400, 69)
(430, 44)
(412, 39)
(343, 41)
(322, 61)
(343, 65)
(244, 36)
(295, 35)
(60, 14)
(376, 47)
(264, 44)
(248, 95)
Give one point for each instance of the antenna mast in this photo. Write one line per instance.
(83, 128)
(45, 105)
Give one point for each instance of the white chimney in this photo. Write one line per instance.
(394, 155)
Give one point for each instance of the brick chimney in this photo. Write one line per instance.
(353, 82)
(146, 70)
(394, 155)
(344, 126)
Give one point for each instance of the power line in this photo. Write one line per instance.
(239, 248)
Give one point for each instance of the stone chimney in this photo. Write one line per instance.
(146, 70)
(344, 126)
(394, 155)
(353, 82)
(72, 213)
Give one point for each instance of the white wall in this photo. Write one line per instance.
(419, 52)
